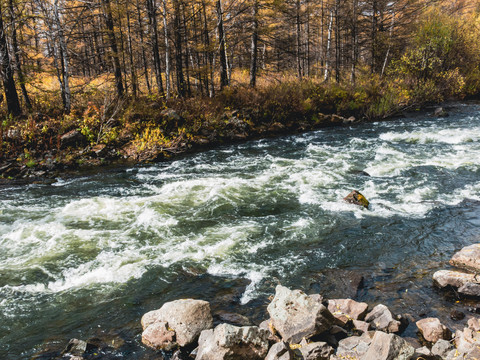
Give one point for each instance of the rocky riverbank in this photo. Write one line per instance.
(308, 327)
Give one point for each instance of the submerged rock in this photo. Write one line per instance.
(232, 342)
(432, 330)
(296, 315)
(465, 283)
(177, 322)
(468, 258)
(357, 199)
(440, 112)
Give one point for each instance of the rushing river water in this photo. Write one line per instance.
(86, 257)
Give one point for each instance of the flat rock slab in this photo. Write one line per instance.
(468, 258)
(464, 282)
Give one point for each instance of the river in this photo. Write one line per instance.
(87, 256)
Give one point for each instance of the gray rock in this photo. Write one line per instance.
(388, 347)
(354, 347)
(474, 324)
(231, 342)
(76, 347)
(440, 112)
(187, 318)
(361, 326)
(442, 348)
(72, 138)
(382, 319)
(347, 309)
(464, 282)
(280, 351)
(423, 353)
(296, 315)
(233, 318)
(468, 258)
(315, 350)
(432, 330)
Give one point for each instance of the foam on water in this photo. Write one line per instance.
(225, 210)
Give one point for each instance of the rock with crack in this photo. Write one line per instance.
(179, 322)
(296, 315)
(354, 347)
(315, 350)
(231, 342)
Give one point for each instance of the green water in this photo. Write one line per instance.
(86, 257)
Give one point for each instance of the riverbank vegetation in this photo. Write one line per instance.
(98, 81)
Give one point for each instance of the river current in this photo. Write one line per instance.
(87, 256)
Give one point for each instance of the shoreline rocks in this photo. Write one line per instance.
(305, 327)
(466, 279)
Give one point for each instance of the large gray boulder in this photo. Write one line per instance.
(231, 342)
(296, 315)
(468, 258)
(465, 283)
(388, 347)
(183, 319)
(382, 319)
(347, 309)
(441, 348)
(433, 330)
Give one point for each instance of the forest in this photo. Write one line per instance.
(145, 79)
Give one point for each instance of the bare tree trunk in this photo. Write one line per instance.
(144, 57)
(254, 47)
(329, 44)
(354, 43)
(390, 42)
(337, 41)
(178, 51)
(130, 51)
(208, 52)
(298, 38)
(18, 65)
(11, 95)
(167, 49)
(113, 46)
(66, 93)
(152, 19)
(223, 49)
(374, 35)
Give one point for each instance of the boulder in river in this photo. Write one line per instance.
(231, 342)
(465, 283)
(440, 112)
(177, 322)
(468, 258)
(433, 330)
(357, 198)
(296, 315)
